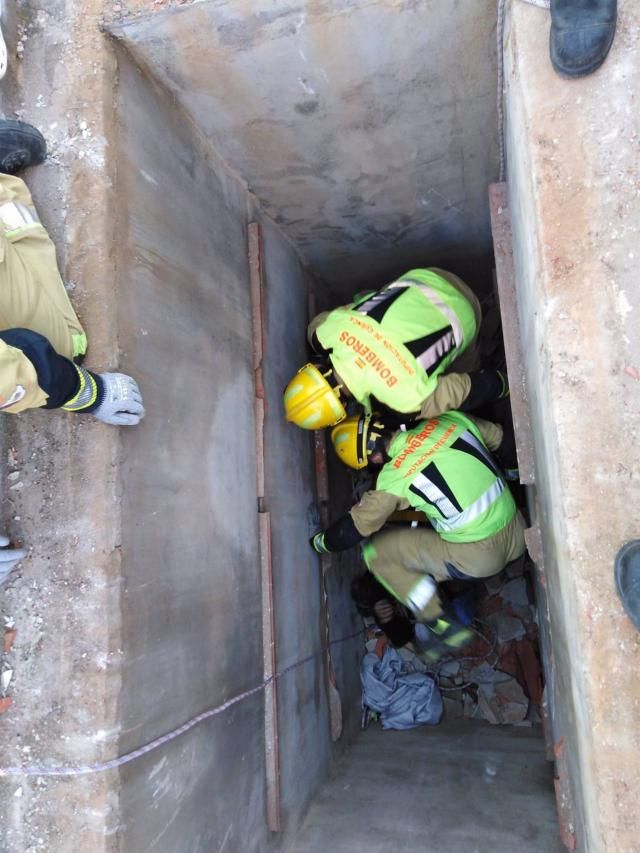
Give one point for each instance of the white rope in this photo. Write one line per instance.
(112, 764)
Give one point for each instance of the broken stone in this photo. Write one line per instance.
(5, 704)
(453, 708)
(506, 627)
(513, 713)
(484, 673)
(512, 701)
(5, 679)
(450, 669)
(469, 706)
(488, 709)
(9, 637)
(515, 592)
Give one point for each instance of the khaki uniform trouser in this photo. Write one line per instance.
(400, 558)
(32, 294)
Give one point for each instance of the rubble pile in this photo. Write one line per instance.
(498, 677)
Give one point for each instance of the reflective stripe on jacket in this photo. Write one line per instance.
(442, 468)
(394, 343)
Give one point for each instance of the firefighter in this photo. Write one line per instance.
(442, 467)
(411, 348)
(40, 336)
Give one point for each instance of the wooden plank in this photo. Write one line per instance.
(505, 275)
(272, 750)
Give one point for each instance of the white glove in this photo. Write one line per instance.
(9, 558)
(122, 402)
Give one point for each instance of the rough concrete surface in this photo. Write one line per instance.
(461, 786)
(64, 601)
(367, 130)
(191, 600)
(574, 187)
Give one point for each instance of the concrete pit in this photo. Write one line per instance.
(206, 153)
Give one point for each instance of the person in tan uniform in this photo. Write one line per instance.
(442, 467)
(41, 338)
(40, 335)
(410, 348)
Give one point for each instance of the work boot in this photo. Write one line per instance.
(21, 145)
(444, 636)
(581, 34)
(627, 574)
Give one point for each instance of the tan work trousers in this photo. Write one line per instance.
(401, 558)
(32, 294)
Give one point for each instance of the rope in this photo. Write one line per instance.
(103, 766)
(541, 4)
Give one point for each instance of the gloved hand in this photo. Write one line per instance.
(122, 401)
(317, 543)
(9, 558)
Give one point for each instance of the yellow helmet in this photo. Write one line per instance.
(309, 400)
(354, 439)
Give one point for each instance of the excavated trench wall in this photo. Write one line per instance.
(191, 603)
(206, 143)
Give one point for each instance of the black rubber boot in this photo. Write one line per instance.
(581, 34)
(447, 636)
(21, 145)
(627, 572)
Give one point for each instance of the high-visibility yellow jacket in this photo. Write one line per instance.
(393, 344)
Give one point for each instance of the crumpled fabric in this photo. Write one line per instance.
(403, 698)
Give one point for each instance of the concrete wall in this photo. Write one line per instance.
(305, 748)
(573, 186)
(192, 599)
(367, 130)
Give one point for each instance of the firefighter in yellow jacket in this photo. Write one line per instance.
(411, 348)
(442, 467)
(40, 336)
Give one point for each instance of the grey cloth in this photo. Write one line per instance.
(403, 698)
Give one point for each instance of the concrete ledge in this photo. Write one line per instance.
(573, 196)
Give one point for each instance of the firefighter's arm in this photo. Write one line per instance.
(19, 388)
(491, 433)
(450, 393)
(361, 521)
(465, 391)
(32, 374)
